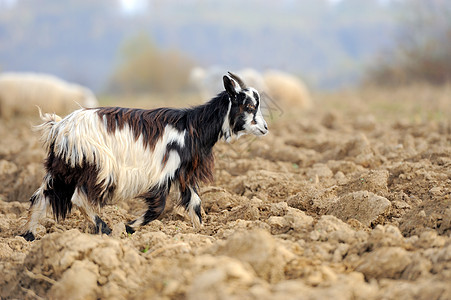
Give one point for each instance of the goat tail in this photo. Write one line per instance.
(46, 128)
(48, 117)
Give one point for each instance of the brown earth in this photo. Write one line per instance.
(351, 200)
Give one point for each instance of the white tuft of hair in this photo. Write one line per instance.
(45, 129)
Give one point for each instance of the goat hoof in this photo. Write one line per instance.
(106, 230)
(103, 230)
(129, 229)
(102, 227)
(28, 236)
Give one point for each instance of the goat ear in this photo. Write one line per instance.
(230, 86)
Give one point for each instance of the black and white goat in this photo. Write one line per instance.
(111, 154)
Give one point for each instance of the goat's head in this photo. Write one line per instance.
(245, 113)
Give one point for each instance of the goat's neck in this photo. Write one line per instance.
(209, 120)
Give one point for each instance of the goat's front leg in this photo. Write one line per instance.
(80, 199)
(190, 200)
(156, 201)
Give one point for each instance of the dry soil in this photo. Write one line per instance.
(350, 200)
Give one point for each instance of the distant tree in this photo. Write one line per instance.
(145, 68)
(423, 49)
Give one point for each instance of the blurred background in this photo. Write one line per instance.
(151, 46)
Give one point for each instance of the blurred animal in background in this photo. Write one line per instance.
(20, 93)
(288, 90)
(205, 81)
(285, 89)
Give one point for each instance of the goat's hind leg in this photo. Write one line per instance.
(54, 192)
(80, 200)
(37, 211)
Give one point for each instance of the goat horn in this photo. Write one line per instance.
(238, 79)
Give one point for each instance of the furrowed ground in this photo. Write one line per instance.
(349, 200)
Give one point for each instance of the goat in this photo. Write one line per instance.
(107, 154)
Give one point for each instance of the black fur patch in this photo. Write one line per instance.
(239, 124)
(28, 236)
(185, 197)
(197, 210)
(185, 200)
(156, 202)
(33, 199)
(59, 194)
(102, 227)
(129, 229)
(64, 180)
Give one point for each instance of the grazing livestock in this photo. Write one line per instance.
(287, 90)
(21, 92)
(99, 155)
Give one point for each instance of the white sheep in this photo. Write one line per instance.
(20, 93)
(287, 90)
